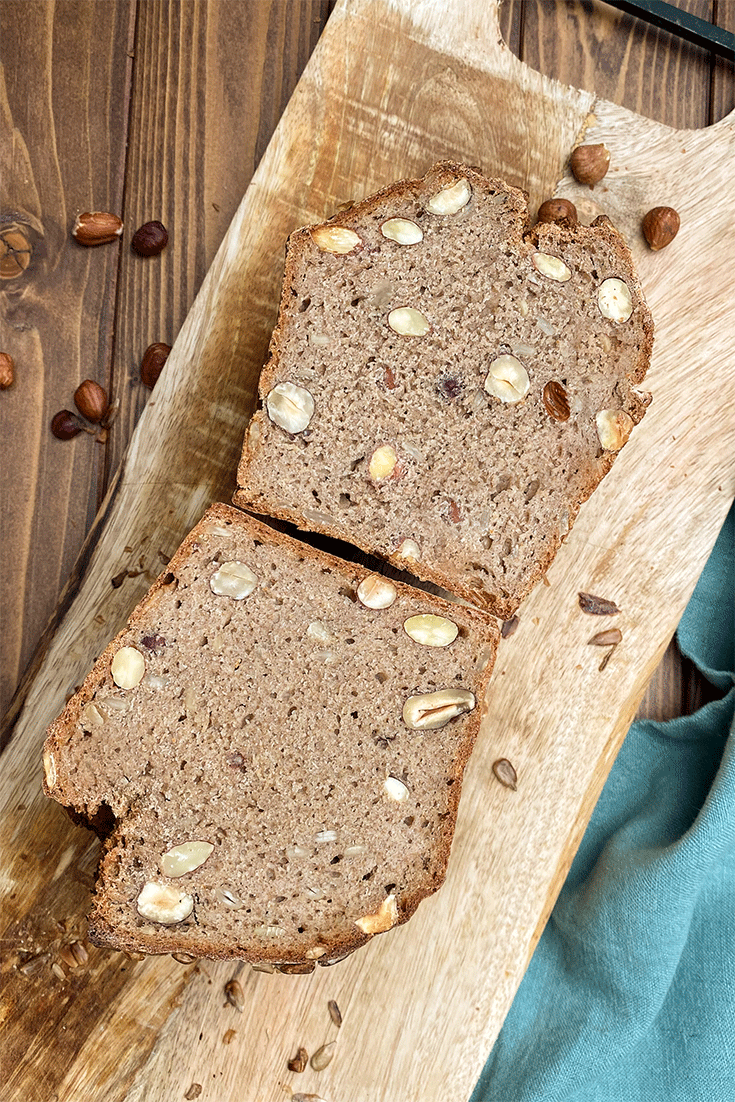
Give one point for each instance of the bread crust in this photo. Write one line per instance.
(60, 782)
(548, 236)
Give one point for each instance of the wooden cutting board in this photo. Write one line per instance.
(391, 87)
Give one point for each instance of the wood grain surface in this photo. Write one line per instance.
(106, 1027)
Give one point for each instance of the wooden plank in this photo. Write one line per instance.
(190, 94)
(422, 87)
(211, 81)
(62, 151)
(723, 71)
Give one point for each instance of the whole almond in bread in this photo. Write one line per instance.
(447, 385)
(277, 741)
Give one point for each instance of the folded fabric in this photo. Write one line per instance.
(630, 994)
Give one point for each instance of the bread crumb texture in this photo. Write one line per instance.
(439, 374)
(246, 732)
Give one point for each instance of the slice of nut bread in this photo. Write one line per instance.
(280, 737)
(446, 385)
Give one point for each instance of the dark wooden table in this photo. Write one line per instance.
(161, 110)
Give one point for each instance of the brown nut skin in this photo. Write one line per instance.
(150, 239)
(561, 211)
(660, 226)
(589, 163)
(97, 228)
(7, 371)
(65, 425)
(152, 363)
(91, 400)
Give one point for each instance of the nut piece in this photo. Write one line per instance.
(290, 407)
(382, 462)
(97, 228)
(597, 606)
(233, 579)
(319, 631)
(660, 226)
(450, 199)
(298, 1062)
(430, 630)
(608, 638)
(376, 592)
(402, 230)
(184, 858)
(65, 425)
(615, 300)
(408, 549)
(553, 267)
(152, 363)
(395, 789)
(556, 401)
(128, 668)
(589, 163)
(164, 903)
(508, 379)
(428, 711)
(335, 239)
(49, 768)
(7, 370)
(91, 400)
(385, 917)
(614, 426)
(561, 211)
(408, 322)
(150, 239)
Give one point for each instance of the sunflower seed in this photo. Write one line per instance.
(322, 1058)
(334, 1013)
(505, 773)
(235, 995)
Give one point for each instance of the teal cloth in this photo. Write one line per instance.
(630, 994)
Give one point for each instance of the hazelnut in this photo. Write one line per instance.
(561, 211)
(614, 426)
(7, 371)
(290, 407)
(507, 379)
(91, 400)
(65, 425)
(152, 363)
(375, 591)
(553, 267)
(450, 199)
(335, 239)
(97, 228)
(408, 322)
(402, 230)
(150, 239)
(660, 226)
(382, 463)
(385, 917)
(15, 252)
(589, 163)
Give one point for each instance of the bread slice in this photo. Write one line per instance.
(446, 385)
(279, 793)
